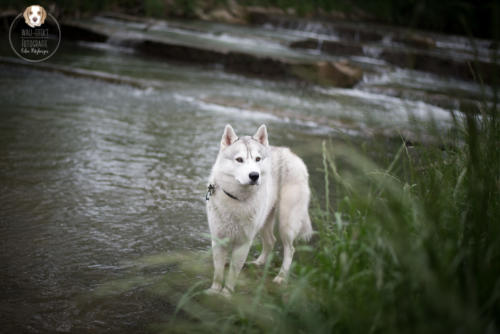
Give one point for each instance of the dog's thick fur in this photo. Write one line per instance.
(253, 182)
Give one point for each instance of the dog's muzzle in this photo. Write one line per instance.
(254, 178)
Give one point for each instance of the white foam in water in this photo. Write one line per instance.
(372, 51)
(110, 21)
(426, 81)
(250, 42)
(368, 60)
(331, 36)
(396, 108)
(222, 37)
(106, 47)
(313, 127)
(234, 111)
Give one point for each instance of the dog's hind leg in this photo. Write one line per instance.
(293, 212)
(268, 239)
(288, 250)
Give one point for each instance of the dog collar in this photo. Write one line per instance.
(211, 192)
(232, 196)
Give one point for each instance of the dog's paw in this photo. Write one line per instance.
(257, 262)
(226, 293)
(217, 292)
(279, 280)
(212, 292)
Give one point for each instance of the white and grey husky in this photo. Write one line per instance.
(249, 184)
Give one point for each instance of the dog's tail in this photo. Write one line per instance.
(306, 230)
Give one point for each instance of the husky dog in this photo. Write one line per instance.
(250, 183)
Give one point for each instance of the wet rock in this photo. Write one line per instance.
(341, 74)
(236, 9)
(223, 15)
(331, 47)
(259, 16)
(126, 17)
(357, 34)
(415, 40)
(6, 19)
(75, 31)
(238, 62)
(341, 48)
(231, 13)
(441, 65)
(177, 52)
(338, 74)
(310, 43)
(255, 65)
(413, 59)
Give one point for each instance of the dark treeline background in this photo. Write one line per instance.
(479, 18)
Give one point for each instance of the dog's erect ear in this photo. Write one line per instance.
(228, 137)
(261, 135)
(44, 15)
(25, 14)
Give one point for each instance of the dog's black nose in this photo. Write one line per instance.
(34, 19)
(254, 176)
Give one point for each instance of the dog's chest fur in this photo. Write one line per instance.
(238, 220)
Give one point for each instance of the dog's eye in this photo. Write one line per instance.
(31, 12)
(257, 159)
(38, 12)
(240, 160)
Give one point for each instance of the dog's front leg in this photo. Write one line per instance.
(219, 256)
(238, 258)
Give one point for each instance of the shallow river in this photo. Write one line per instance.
(96, 176)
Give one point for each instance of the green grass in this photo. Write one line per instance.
(410, 247)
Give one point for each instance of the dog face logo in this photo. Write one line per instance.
(34, 16)
(34, 34)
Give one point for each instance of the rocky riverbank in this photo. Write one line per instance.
(334, 73)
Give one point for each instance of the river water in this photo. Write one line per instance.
(96, 178)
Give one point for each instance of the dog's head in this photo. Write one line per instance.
(244, 159)
(35, 16)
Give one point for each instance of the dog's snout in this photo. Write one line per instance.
(254, 176)
(35, 19)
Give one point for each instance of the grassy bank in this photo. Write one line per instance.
(408, 247)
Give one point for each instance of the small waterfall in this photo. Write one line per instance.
(372, 51)
(320, 45)
(128, 39)
(387, 40)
